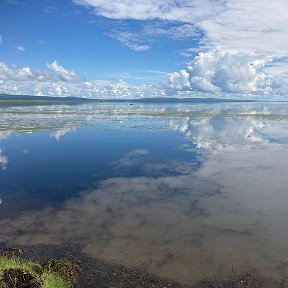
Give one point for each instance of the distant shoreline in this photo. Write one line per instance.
(4, 98)
(25, 100)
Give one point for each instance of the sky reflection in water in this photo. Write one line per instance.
(185, 191)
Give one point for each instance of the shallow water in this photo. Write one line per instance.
(184, 191)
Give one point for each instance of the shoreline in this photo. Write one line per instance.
(93, 272)
(102, 274)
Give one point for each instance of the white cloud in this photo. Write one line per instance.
(243, 43)
(138, 48)
(58, 134)
(58, 89)
(234, 24)
(20, 48)
(220, 207)
(131, 40)
(54, 72)
(17, 74)
(233, 27)
(189, 52)
(132, 158)
(173, 10)
(38, 92)
(258, 26)
(113, 89)
(142, 37)
(210, 72)
(212, 134)
(218, 71)
(64, 75)
(175, 32)
(124, 217)
(57, 81)
(5, 134)
(3, 160)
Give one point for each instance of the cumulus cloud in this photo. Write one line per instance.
(57, 81)
(114, 89)
(38, 92)
(54, 72)
(230, 126)
(58, 90)
(219, 71)
(63, 74)
(211, 134)
(234, 27)
(241, 49)
(15, 73)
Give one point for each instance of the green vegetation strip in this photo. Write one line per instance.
(27, 101)
(150, 115)
(15, 272)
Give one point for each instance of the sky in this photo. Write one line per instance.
(152, 48)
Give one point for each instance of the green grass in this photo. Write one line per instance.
(6, 263)
(49, 278)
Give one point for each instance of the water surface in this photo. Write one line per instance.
(183, 191)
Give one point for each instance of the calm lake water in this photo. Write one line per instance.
(183, 191)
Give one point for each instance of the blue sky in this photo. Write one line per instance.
(81, 41)
(144, 49)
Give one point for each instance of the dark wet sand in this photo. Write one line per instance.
(94, 272)
(101, 274)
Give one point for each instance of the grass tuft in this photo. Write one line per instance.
(51, 279)
(15, 272)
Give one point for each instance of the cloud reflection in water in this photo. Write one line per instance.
(193, 223)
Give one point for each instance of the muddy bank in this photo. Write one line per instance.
(93, 272)
(101, 274)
